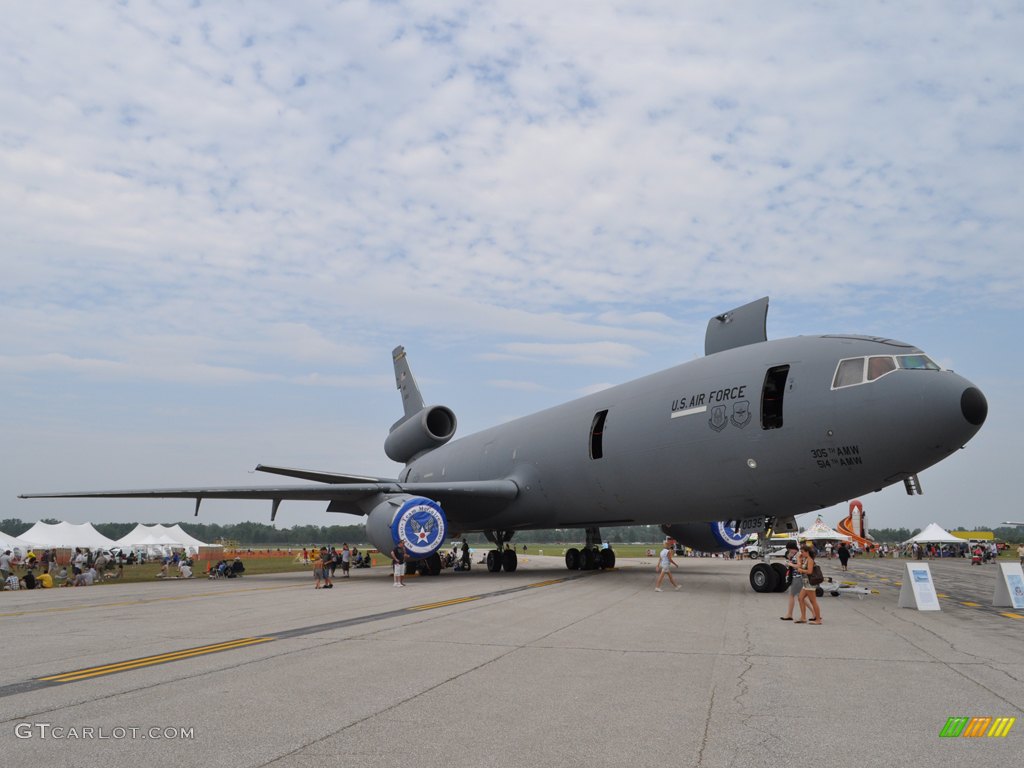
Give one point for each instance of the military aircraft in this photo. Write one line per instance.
(736, 442)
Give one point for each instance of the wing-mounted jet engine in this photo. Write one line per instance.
(706, 537)
(417, 521)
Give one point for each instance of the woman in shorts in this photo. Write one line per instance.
(808, 593)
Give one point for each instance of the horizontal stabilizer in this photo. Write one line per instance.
(321, 477)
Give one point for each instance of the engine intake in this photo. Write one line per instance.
(431, 427)
(706, 537)
(415, 520)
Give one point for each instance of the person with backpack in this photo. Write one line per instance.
(811, 576)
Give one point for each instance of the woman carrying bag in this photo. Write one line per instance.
(808, 596)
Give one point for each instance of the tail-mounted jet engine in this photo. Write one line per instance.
(423, 431)
(706, 537)
(415, 520)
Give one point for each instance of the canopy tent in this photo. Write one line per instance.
(818, 531)
(66, 534)
(161, 536)
(934, 534)
(12, 543)
(148, 536)
(176, 532)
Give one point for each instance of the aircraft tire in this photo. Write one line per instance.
(572, 559)
(588, 559)
(509, 561)
(763, 578)
(494, 561)
(433, 564)
(781, 570)
(606, 559)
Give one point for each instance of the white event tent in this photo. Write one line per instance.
(12, 543)
(934, 534)
(47, 535)
(818, 531)
(176, 532)
(161, 537)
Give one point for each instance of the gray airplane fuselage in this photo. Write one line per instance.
(756, 431)
(704, 441)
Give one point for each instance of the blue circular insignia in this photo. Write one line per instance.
(728, 536)
(421, 524)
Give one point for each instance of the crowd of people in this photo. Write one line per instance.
(327, 560)
(41, 570)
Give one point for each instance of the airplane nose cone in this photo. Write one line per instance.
(974, 406)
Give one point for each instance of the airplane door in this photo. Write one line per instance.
(773, 395)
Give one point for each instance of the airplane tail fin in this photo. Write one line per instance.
(412, 400)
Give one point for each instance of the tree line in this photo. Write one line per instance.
(261, 534)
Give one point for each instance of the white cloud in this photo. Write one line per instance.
(268, 194)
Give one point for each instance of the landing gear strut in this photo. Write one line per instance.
(592, 556)
(501, 556)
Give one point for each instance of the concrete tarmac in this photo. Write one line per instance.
(540, 667)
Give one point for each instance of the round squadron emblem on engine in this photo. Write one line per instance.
(421, 524)
(729, 536)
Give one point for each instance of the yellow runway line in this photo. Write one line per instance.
(443, 603)
(970, 604)
(146, 661)
(546, 583)
(1012, 615)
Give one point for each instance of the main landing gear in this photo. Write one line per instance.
(768, 577)
(592, 556)
(765, 576)
(501, 557)
(429, 566)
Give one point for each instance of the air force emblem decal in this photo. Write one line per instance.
(421, 524)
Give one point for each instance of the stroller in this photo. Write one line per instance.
(976, 557)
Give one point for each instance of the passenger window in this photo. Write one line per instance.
(879, 366)
(848, 373)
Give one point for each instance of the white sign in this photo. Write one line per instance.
(918, 591)
(1009, 586)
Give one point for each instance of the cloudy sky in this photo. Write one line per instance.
(218, 218)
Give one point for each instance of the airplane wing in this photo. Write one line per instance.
(493, 489)
(341, 493)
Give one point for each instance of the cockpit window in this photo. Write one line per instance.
(858, 370)
(879, 366)
(917, 363)
(848, 373)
